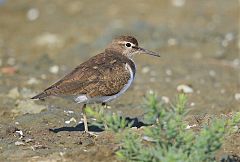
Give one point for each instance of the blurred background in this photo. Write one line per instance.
(198, 41)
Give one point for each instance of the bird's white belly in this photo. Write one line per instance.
(103, 99)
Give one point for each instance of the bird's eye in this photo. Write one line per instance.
(128, 45)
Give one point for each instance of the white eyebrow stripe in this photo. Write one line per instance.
(124, 42)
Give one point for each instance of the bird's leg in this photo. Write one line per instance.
(104, 105)
(85, 118)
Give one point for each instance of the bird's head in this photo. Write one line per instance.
(128, 46)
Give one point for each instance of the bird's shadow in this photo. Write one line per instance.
(93, 128)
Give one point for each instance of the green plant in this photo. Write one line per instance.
(107, 120)
(167, 139)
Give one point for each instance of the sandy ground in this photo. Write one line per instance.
(42, 40)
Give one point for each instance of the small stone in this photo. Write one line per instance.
(192, 104)
(212, 73)
(168, 72)
(222, 91)
(225, 43)
(68, 111)
(172, 41)
(152, 79)
(32, 81)
(191, 126)
(20, 132)
(33, 14)
(28, 140)
(134, 128)
(165, 99)
(145, 69)
(146, 138)
(43, 76)
(178, 3)
(67, 122)
(54, 69)
(237, 96)
(184, 88)
(73, 120)
(8, 70)
(13, 93)
(236, 62)
(197, 55)
(62, 153)
(19, 143)
(27, 106)
(229, 36)
(11, 61)
(49, 40)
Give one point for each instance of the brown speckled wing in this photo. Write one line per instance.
(102, 75)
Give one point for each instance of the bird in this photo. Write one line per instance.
(102, 78)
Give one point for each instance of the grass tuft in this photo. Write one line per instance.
(166, 139)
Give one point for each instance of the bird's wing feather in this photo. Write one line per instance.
(102, 75)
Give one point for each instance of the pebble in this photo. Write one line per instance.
(222, 91)
(184, 88)
(43, 76)
(32, 80)
(146, 138)
(49, 40)
(197, 55)
(212, 73)
(19, 143)
(20, 133)
(178, 3)
(237, 96)
(168, 72)
(11, 61)
(13, 93)
(28, 140)
(54, 69)
(192, 104)
(152, 79)
(224, 43)
(191, 126)
(236, 62)
(8, 70)
(27, 107)
(145, 69)
(172, 41)
(165, 99)
(33, 14)
(229, 36)
(68, 111)
(134, 128)
(71, 120)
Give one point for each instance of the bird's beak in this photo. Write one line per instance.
(145, 51)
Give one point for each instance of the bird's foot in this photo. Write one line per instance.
(104, 105)
(90, 134)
